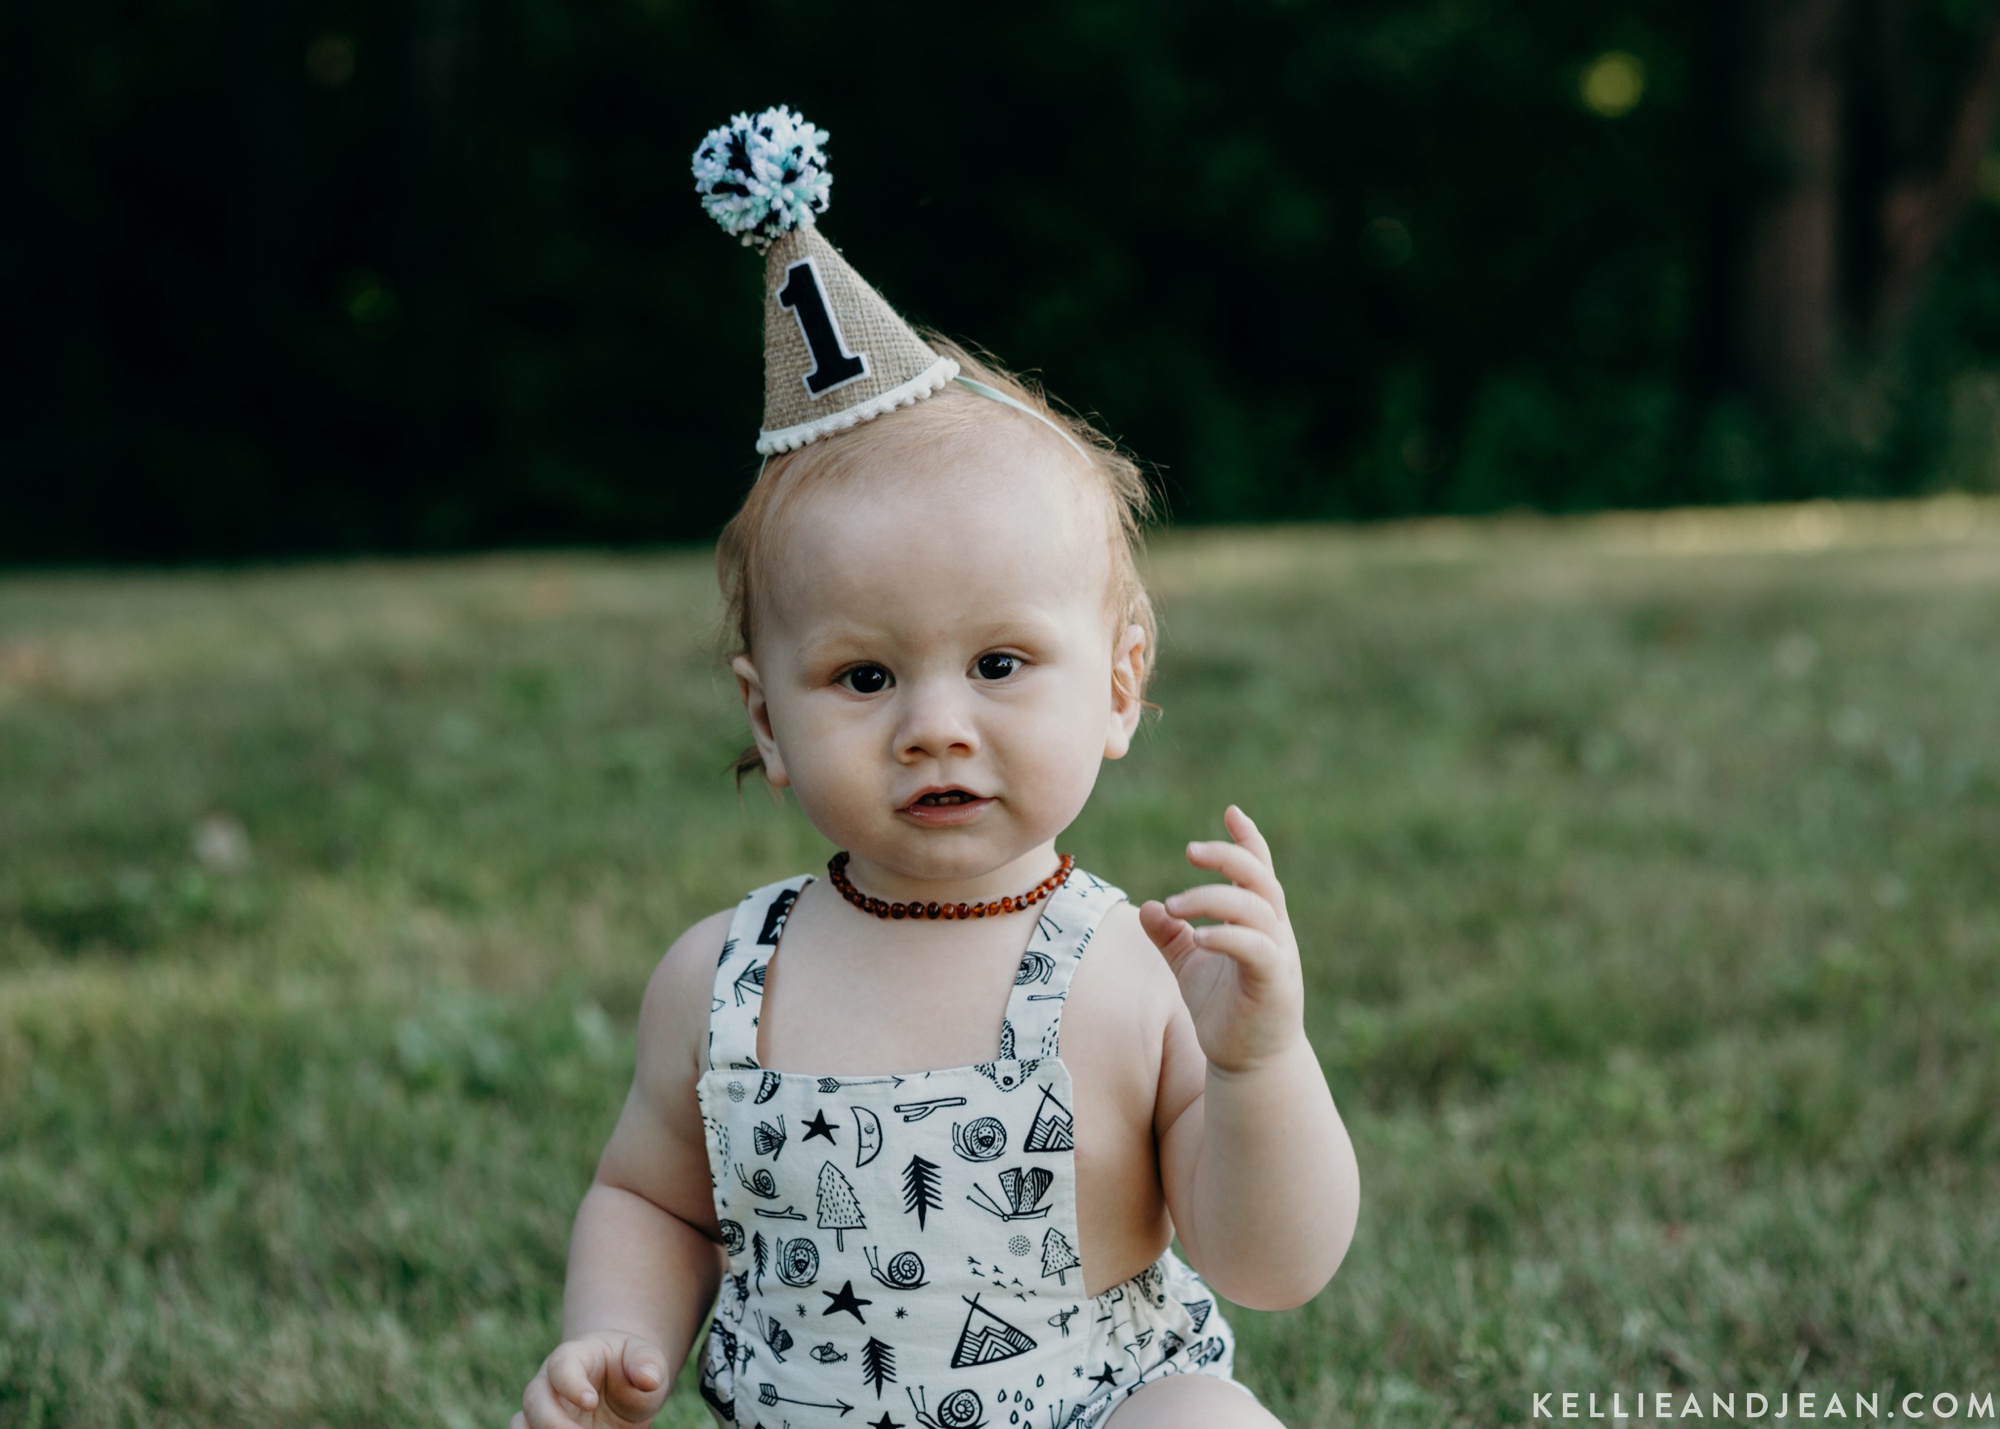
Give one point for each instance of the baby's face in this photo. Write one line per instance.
(934, 665)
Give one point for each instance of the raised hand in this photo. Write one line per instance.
(604, 1380)
(1240, 974)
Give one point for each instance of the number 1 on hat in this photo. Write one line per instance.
(833, 365)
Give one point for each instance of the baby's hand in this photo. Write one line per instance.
(605, 1380)
(1240, 977)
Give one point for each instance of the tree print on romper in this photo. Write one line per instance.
(921, 1193)
(1059, 1257)
(878, 1364)
(839, 1212)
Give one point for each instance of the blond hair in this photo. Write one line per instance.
(953, 416)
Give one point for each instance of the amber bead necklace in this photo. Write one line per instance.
(836, 872)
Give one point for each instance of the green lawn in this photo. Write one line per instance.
(1645, 867)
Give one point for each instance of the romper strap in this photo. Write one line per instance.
(738, 1000)
(1067, 923)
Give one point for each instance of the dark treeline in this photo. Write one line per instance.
(291, 276)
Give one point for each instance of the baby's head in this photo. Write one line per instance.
(940, 627)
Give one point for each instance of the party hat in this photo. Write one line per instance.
(835, 354)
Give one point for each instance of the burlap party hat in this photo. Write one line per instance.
(835, 354)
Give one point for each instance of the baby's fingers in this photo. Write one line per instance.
(575, 1370)
(1225, 903)
(1239, 865)
(637, 1391)
(540, 1409)
(1174, 937)
(1244, 830)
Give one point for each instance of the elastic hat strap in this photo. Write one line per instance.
(993, 394)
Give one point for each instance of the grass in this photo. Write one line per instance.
(1645, 868)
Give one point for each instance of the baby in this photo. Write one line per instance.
(929, 1125)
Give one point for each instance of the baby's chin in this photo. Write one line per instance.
(956, 855)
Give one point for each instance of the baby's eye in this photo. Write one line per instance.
(864, 679)
(997, 667)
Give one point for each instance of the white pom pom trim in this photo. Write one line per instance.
(915, 390)
(760, 177)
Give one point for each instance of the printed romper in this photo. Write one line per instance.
(904, 1248)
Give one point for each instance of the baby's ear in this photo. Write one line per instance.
(1128, 680)
(751, 687)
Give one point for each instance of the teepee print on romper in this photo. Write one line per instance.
(916, 1231)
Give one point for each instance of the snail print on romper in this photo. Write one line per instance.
(957, 1410)
(760, 1183)
(982, 1140)
(797, 1262)
(905, 1270)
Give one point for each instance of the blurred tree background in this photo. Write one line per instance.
(293, 276)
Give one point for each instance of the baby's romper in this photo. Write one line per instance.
(905, 1247)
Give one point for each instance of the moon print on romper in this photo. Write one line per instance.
(933, 1214)
(867, 1135)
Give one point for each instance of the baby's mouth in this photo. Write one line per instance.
(942, 799)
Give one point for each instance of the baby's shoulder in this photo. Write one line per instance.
(1122, 975)
(673, 1016)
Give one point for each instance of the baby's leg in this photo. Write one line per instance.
(1192, 1401)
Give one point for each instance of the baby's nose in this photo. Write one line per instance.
(936, 721)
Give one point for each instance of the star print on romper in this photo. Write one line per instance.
(885, 1422)
(820, 1126)
(1108, 1378)
(846, 1299)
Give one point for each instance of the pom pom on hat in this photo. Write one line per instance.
(762, 176)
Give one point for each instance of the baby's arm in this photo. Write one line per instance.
(643, 1261)
(1258, 1171)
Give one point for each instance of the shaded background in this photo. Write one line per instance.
(288, 278)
